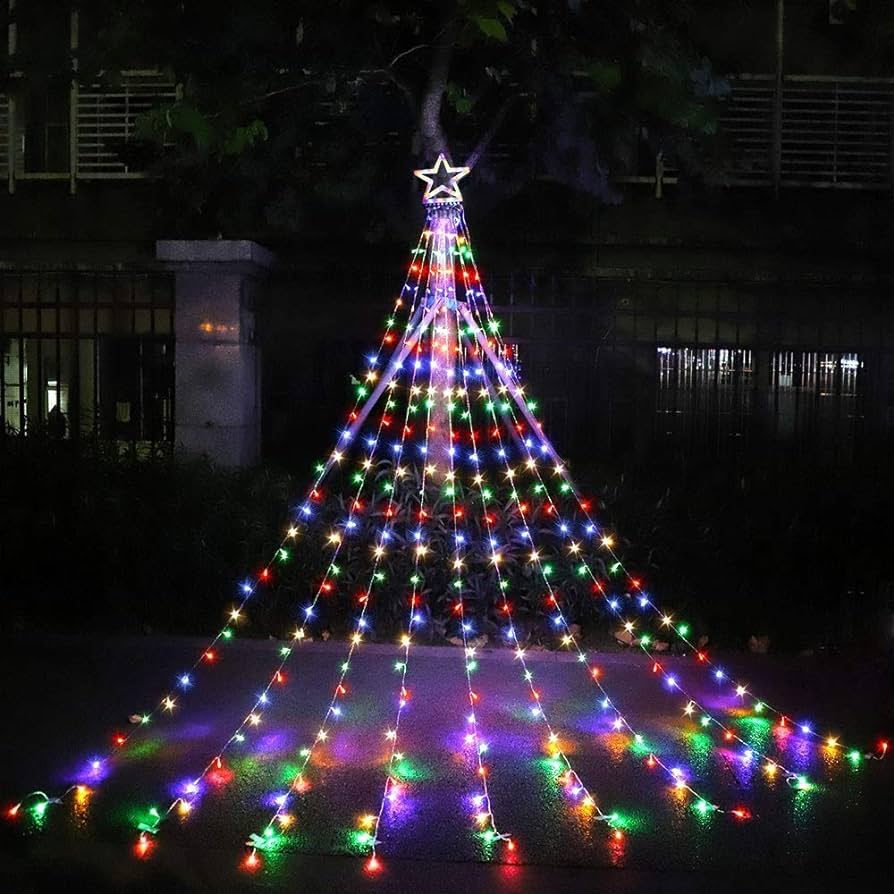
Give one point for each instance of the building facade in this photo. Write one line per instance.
(749, 315)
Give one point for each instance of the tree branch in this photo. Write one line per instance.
(487, 137)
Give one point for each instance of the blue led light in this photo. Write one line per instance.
(185, 681)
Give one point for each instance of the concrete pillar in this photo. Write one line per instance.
(217, 362)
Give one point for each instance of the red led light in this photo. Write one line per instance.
(13, 811)
(741, 813)
(143, 846)
(373, 864)
(252, 862)
(209, 655)
(119, 739)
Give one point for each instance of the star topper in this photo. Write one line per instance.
(441, 181)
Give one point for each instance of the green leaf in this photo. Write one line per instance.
(507, 9)
(606, 76)
(491, 27)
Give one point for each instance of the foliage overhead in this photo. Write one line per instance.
(293, 111)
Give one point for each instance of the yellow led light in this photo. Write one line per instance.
(356, 639)
(335, 538)
(292, 532)
(608, 542)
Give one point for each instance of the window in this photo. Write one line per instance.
(816, 398)
(704, 395)
(87, 354)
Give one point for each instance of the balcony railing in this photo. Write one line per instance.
(108, 118)
(808, 131)
(804, 131)
(101, 121)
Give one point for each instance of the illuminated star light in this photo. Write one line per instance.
(441, 181)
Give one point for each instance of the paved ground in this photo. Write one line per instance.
(64, 694)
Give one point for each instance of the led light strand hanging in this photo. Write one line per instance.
(676, 774)
(829, 742)
(573, 784)
(368, 835)
(187, 799)
(484, 814)
(259, 842)
(186, 680)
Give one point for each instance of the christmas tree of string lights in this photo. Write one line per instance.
(452, 487)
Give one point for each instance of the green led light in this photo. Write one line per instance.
(759, 707)
(854, 757)
(227, 634)
(683, 630)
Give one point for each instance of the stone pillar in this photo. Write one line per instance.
(217, 362)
